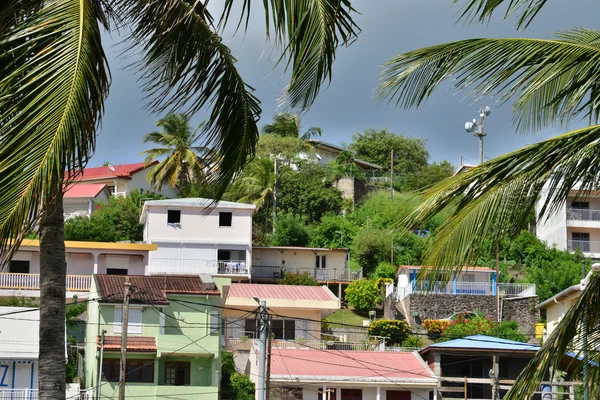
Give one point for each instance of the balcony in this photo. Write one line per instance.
(467, 288)
(72, 392)
(75, 283)
(586, 246)
(269, 272)
(178, 266)
(583, 214)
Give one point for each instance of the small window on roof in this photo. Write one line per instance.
(173, 216)
(225, 218)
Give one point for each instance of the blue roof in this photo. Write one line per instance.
(482, 342)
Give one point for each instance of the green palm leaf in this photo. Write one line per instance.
(53, 85)
(554, 79)
(480, 10)
(310, 31)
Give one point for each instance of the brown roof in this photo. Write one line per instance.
(134, 343)
(151, 289)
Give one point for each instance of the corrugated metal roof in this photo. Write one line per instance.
(151, 289)
(482, 342)
(120, 171)
(19, 333)
(290, 292)
(84, 190)
(134, 343)
(360, 365)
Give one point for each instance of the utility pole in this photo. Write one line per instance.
(392, 176)
(269, 347)
(477, 127)
(124, 324)
(275, 195)
(261, 392)
(101, 361)
(584, 327)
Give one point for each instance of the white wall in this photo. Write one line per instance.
(297, 258)
(25, 374)
(368, 393)
(553, 228)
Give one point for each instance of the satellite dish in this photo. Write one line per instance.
(469, 126)
(110, 166)
(402, 281)
(487, 111)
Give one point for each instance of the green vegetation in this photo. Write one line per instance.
(297, 278)
(290, 230)
(346, 316)
(385, 270)
(413, 342)
(363, 294)
(482, 326)
(241, 387)
(396, 331)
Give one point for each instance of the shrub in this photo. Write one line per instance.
(413, 342)
(397, 331)
(298, 279)
(435, 326)
(241, 387)
(483, 326)
(362, 294)
(385, 270)
(290, 230)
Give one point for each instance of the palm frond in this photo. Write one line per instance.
(553, 79)
(186, 66)
(310, 31)
(495, 197)
(481, 10)
(54, 79)
(583, 316)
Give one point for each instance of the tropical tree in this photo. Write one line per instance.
(551, 80)
(288, 124)
(54, 79)
(183, 164)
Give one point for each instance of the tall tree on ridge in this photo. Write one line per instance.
(553, 80)
(287, 124)
(54, 78)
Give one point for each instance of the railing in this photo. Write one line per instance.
(237, 344)
(585, 246)
(232, 267)
(75, 283)
(583, 214)
(467, 288)
(320, 274)
(18, 394)
(516, 289)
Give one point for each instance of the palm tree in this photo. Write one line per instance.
(184, 162)
(287, 124)
(552, 80)
(54, 78)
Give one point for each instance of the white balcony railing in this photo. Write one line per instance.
(197, 266)
(583, 214)
(467, 288)
(233, 267)
(32, 394)
(585, 246)
(270, 272)
(237, 344)
(75, 283)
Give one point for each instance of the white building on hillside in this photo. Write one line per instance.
(575, 224)
(196, 236)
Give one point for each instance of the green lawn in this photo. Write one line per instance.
(347, 317)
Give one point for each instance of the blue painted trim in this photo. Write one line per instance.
(454, 284)
(493, 283)
(31, 380)
(13, 373)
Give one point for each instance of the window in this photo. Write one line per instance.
(18, 267)
(173, 216)
(137, 370)
(351, 394)
(580, 204)
(231, 255)
(329, 395)
(468, 278)
(116, 271)
(117, 262)
(397, 395)
(581, 240)
(284, 329)
(225, 218)
(250, 328)
(321, 262)
(177, 373)
(134, 325)
(214, 323)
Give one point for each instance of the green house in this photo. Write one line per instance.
(173, 337)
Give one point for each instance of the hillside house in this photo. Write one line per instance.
(21, 277)
(96, 184)
(349, 375)
(486, 367)
(199, 236)
(173, 337)
(557, 306)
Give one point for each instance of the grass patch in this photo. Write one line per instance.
(345, 316)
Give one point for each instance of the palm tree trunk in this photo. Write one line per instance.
(53, 274)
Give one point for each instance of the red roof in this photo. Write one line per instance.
(120, 171)
(151, 289)
(325, 364)
(84, 190)
(134, 343)
(290, 292)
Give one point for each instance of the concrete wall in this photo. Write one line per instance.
(553, 228)
(368, 393)
(310, 330)
(440, 306)
(354, 189)
(298, 258)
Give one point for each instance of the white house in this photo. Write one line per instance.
(557, 306)
(327, 152)
(574, 225)
(83, 198)
(199, 236)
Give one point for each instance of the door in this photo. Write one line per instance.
(397, 395)
(351, 394)
(321, 267)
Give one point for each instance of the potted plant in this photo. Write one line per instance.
(244, 338)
